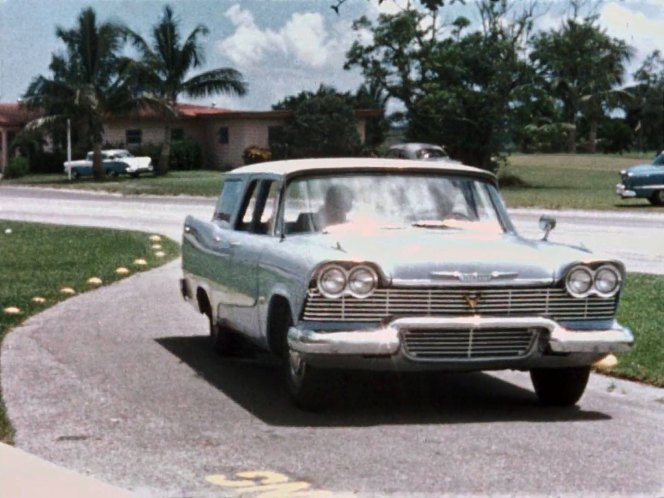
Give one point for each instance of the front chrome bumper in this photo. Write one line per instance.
(386, 340)
(624, 192)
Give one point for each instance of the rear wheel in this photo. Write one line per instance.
(657, 198)
(222, 339)
(75, 175)
(560, 386)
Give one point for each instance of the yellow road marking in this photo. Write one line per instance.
(266, 484)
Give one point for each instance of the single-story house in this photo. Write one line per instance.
(12, 120)
(223, 134)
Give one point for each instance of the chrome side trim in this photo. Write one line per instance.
(446, 281)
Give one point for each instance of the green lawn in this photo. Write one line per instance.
(568, 181)
(641, 310)
(554, 181)
(39, 260)
(201, 183)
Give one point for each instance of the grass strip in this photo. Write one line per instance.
(38, 261)
(198, 183)
(642, 310)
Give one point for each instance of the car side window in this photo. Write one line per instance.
(228, 200)
(259, 209)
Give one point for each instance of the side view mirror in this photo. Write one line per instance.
(546, 224)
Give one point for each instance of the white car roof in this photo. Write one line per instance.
(293, 166)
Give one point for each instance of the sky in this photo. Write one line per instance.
(281, 46)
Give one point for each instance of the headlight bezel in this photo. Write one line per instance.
(616, 287)
(354, 271)
(347, 270)
(319, 281)
(592, 273)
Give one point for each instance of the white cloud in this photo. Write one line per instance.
(642, 32)
(283, 59)
(304, 40)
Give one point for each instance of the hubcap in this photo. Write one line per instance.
(296, 362)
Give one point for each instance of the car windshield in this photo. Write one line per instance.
(390, 201)
(430, 153)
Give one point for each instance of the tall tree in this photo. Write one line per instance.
(455, 87)
(163, 72)
(88, 82)
(323, 125)
(645, 113)
(583, 67)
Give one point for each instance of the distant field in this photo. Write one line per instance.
(569, 181)
(554, 181)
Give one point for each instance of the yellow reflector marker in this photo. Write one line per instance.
(607, 363)
(160, 254)
(12, 310)
(38, 300)
(140, 262)
(68, 291)
(155, 238)
(94, 281)
(122, 271)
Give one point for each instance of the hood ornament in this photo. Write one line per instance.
(472, 300)
(474, 276)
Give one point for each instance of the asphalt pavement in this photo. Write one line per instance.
(119, 384)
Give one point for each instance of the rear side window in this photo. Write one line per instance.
(228, 201)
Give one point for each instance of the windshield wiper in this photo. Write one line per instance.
(433, 224)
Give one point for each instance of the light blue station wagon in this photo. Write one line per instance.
(400, 265)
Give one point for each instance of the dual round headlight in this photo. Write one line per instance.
(335, 281)
(604, 281)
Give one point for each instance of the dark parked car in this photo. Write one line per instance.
(418, 151)
(644, 181)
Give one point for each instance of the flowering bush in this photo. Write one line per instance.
(255, 154)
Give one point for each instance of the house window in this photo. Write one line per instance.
(134, 137)
(223, 134)
(275, 135)
(177, 134)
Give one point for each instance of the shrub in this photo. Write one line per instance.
(48, 162)
(17, 168)
(186, 155)
(255, 154)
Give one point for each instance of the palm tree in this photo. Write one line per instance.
(163, 71)
(583, 65)
(89, 81)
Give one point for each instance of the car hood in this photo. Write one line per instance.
(642, 169)
(451, 254)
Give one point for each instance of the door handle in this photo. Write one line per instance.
(235, 243)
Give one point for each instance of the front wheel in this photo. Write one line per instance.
(305, 384)
(657, 198)
(560, 386)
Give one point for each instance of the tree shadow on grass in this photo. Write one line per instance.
(254, 382)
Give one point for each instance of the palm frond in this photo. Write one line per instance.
(223, 80)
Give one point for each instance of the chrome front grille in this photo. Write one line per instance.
(547, 302)
(451, 344)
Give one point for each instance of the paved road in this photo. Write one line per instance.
(636, 238)
(131, 394)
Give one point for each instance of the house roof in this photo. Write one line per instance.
(193, 111)
(15, 115)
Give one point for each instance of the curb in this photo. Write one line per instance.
(23, 475)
